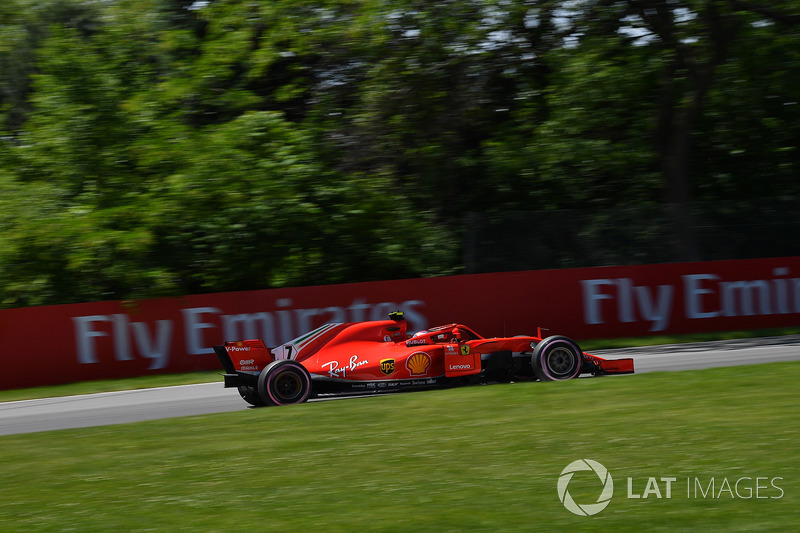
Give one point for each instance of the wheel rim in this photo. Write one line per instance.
(287, 386)
(561, 362)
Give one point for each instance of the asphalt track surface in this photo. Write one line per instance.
(122, 407)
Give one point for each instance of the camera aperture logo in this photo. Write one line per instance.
(586, 509)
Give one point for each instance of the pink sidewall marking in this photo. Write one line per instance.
(543, 363)
(302, 398)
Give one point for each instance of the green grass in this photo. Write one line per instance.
(483, 458)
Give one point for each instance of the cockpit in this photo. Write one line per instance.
(450, 333)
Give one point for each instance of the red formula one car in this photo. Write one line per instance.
(378, 356)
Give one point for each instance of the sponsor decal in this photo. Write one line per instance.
(238, 348)
(616, 302)
(418, 363)
(387, 366)
(336, 371)
(460, 367)
(705, 295)
(247, 365)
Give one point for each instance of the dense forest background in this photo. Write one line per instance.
(169, 147)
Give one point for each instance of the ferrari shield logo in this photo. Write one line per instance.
(387, 366)
(464, 349)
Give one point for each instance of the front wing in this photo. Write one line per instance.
(599, 366)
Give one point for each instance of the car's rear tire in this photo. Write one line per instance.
(557, 358)
(250, 395)
(284, 382)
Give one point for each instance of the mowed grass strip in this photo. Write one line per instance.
(484, 458)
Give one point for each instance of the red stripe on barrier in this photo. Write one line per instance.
(65, 343)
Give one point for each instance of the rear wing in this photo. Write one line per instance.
(248, 357)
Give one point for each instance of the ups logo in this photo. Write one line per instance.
(387, 366)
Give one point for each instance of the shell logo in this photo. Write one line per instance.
(418, 364)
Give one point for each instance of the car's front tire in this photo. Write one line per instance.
(284, 382)
(557, 358)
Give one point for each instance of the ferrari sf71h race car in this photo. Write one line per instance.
(378, 356)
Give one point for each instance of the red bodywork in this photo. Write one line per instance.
(378, 356)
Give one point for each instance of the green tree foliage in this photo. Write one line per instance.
(162, 147)
(251, 193)
(658, 71)
(155, 161)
